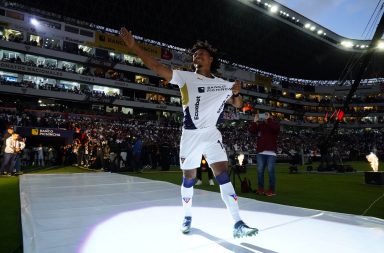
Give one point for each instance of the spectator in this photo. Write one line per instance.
(267, 131)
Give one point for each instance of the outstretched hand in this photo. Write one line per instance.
(127, 37)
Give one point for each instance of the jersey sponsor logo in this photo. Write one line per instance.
(234, 196)
(215, 88)
(186, 200)
(182, 159)
(197, 105)
(201, 89)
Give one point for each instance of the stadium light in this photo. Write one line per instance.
(312, 28)
(347, 43)
(320, 32)
(274, 9)
(380, 45)
(307, 25)
(34, 21)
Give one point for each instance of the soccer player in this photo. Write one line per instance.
(203, 98)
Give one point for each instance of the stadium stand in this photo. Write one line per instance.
(58, 74)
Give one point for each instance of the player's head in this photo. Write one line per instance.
(15, 136)
(204, 55)
(10, 129)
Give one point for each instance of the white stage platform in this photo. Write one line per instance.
(112, 213)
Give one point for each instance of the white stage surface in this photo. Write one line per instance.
(113, 213)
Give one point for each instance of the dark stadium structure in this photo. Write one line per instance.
(244, 35)
(62, 66)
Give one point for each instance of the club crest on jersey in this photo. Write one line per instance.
(234, 196)
(182, 159)
(201, 89)
(186, 200)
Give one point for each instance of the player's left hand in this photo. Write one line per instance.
(236, 87)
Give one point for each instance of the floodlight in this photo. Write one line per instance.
(274, 9)
(380, 45)
(307, 25)
(34, 21)
(312, 28)
(319, 31)
(347, 43)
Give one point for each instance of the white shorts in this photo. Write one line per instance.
(198, 142)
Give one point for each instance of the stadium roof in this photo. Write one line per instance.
(242, 34)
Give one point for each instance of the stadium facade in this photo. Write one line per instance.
(47, 63)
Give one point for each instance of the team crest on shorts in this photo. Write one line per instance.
(182, 159)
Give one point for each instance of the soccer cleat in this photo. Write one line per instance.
(242, 230)
(186, 226)
(198, 182)
(211, 182)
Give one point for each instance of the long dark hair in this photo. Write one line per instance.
(211, 50)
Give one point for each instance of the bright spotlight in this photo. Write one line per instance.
(312, 28)
(307, 25)
(34, 21)
(320, 32)
(347, 44)
(274, 9)
(380, 45)
(240, 157)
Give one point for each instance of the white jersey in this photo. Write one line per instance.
(203, 98)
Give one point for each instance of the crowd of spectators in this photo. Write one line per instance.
(137, 142)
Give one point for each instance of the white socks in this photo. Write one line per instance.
(227, 194)
(186, 195)
(230, 199)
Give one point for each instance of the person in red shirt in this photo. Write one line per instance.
(267, 130)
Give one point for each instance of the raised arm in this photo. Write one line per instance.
(148, 60)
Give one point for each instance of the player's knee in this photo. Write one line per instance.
(223, 178)
(188, 182)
